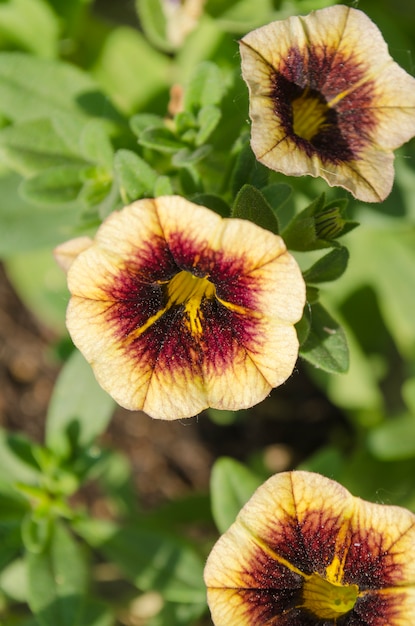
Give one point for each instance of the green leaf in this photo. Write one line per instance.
(208, 118)
(330, 267)
(251, 205)
(187, 158)
(143, 121)
(33, 88)
(304, 325)
(153, 21)
(36, 530)
(160, 139)
(163, 187)
(173, 614)
(277, 195)
(13, 580)
(56, 185)
(57, 580)
(135, 177)
(214, 202)
(394, 439)
(385, 258)
(153, 559)
(231, 486)
(31, 147)
(14, 468)
(95, 613)
(131, 71)
(247, 170)
(326, 344)
(205, 87)
(79, 410)
(96, 145)
(48, 225)
(408, 394)
(42, 289)
(30, 25)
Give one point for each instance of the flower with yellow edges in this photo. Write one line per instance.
(178, 309)
(326, 99)
(304, 551)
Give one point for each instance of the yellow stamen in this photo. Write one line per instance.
(327, 600)
(309, 116)
(186, 289)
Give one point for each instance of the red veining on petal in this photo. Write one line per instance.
(139, 292)
(327, 75)
(308, 545)
(369, 563)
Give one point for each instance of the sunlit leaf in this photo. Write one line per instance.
(151, 558)
(57, 580)
(251, 205)
(326, 344)
(79, 409)
(231, 486)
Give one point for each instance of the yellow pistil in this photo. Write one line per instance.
(188, 290)
(309, 116)
(327, 600)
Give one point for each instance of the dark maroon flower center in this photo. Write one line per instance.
(323, 102)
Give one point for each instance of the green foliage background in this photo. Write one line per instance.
(84, 95)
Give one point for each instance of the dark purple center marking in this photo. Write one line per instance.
(141, 291)
(316, 79)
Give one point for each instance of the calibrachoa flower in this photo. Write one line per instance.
(304, 552)
(326, 99)
(178, 309)
(182, 17)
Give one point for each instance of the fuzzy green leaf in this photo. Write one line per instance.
(330, 267)
(79, 410)
(30, 25)
(326, 344)
(207, 119)
(57, 580)
(151, 558)
(205, 88)
(55, 185)
(251, 205)
(33, 146)
(153, 21)
(33, 88)
(135, 177)
(394, 439)
(231, 486)
(160, 139)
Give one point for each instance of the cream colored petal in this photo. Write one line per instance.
(176, 393)
(271, 44)
(299, 508)
(295, 518)
(66, 252)
(382, 548)
(93, 273)
(153, 358)
(88, 324)
(351, 33)
(270, 272)
(248, 377)
(394, 107)
(124, 231)
(180, 220)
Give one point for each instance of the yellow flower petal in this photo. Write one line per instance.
(326, 99)
(178, 309)
(67, 252)
(304, 550)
